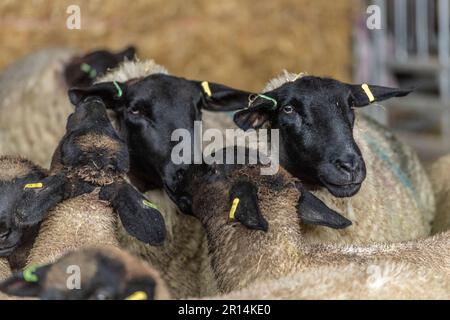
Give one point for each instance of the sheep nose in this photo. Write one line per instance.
(4, 234)
(348, 164)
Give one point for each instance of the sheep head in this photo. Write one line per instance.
(92, 155)
(150, 109)
(91, 148)
(82, 71)
(96, 273)
(315, 117)
(17, 178)
(239, 190)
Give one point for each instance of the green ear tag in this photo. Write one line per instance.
(148, 204)
(89, 70)
(118, 88)
(28, 274)
(275, 103)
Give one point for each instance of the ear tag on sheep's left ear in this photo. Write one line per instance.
(232, 214)
(138, 295)
(206, 88)
(37, 185)
(29, 274)
(148, 204)
(89, 70)
(367, 91)
(118, 88)
(275, 103)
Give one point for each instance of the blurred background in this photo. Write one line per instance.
(243, 43)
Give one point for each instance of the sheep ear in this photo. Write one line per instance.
(38, 198)
(218, 97)
(244, 206)
(364, 94)
(139, 216)
(25, 284)
(113, 94)
(313, 211)
(260, 112)
(128, 54)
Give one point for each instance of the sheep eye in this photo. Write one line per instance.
(135, 111)
(102, 296)
(288, 109)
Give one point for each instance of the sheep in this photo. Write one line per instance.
(440, 178)
(396, 182)
(141, 94)
(87, 179)
(324, 151)
(133, 79)
(106, 273)
(235, 203)
(381, 281)
(33, 97)
(5, 269)
(17, 175)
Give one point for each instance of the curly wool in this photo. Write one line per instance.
(440, 178)
(242, 257)
(34, 105)
(133, 69)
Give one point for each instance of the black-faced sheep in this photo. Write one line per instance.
(17, 175)
(90, 163)
(105, 273)
(178, 102)
(151, 107)
(317, 126)
(33, 97)
(230, 200)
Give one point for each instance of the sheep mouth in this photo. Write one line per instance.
(342, 190)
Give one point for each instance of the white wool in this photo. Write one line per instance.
(284, 77)
(133, 69)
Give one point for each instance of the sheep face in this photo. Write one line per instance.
(92, 155)
(150, 109)
(315, 117)
(82, 71)
(236, 191)
(91, 144)
(89, 274)
(21, 176)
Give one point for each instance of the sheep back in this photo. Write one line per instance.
(78, 222)
(440, 178)
(34, 105)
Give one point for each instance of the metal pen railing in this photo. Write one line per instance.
(415, 38)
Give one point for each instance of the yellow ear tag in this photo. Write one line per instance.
(369, 94)
(138, 295)
(148, 204)
(233, 209)
(205, 86)
(37, 185)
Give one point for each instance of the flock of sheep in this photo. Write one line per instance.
(351, 214)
